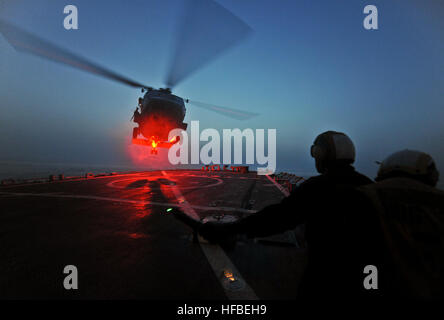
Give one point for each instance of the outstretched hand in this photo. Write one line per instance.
(212, 231)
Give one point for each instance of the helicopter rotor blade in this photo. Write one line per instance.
(27, 42)
(229, 112)
(207, 29)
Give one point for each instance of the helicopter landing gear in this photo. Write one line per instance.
(136, 132)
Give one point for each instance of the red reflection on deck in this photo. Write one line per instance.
(136, 235)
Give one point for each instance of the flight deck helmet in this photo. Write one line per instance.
(332, 149)
(409, 163)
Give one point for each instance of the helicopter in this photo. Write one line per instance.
(159, 111)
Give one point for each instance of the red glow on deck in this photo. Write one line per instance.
(136, 235)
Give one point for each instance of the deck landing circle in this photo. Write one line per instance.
(147, 181)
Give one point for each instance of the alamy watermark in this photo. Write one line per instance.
(71, 20)
(232, 139)
(371, 20)
(71, 281)
(371, 280)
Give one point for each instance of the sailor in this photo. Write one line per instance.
(410, 210)
(315, 203)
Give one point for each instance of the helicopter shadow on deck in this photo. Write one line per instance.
(151, 215)
(151, 184)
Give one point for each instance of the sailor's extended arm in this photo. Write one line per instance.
(273, 219)
(276, 218)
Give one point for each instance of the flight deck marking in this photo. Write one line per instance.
(281, 188)
(112, 184)
(139, 202)
(41, 181)
(217, 258)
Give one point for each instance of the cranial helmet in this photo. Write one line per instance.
(416, 164)
(332, 148)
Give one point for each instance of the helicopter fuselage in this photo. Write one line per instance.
(160, 112)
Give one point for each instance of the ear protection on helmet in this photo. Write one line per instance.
(317, 151)
(333, 146)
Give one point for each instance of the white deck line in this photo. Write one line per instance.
(217, 258)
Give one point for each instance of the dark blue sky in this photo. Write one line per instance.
(309, 66)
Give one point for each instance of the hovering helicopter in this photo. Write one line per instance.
(205, 24)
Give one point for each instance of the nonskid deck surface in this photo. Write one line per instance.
(118, 232)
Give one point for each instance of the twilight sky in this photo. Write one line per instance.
(309, 66)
